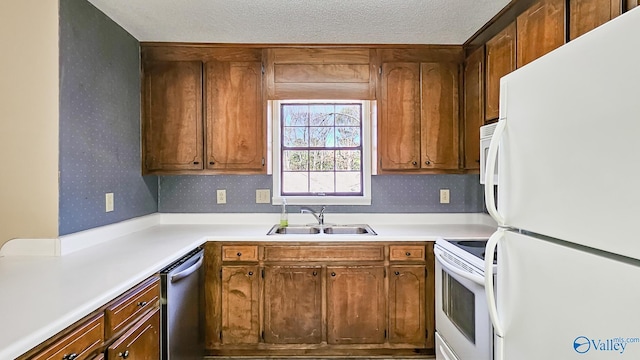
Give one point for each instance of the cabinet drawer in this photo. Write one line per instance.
(82, 342)
(240, 253)
(141, 341)
(324, 253)
(122, 311)
(406, 252)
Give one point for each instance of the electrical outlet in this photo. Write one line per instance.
(444, 196)
(263, 196)
(221, 196)
(108, 200)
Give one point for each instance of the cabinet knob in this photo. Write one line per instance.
(315, 273)
(239, 253)
(250, 273)
(196, 162)
(70, 356)
(408, 253)
(212, 162)
(414, 163)
(333, 274)
(124, 355)
(427, 162)
(397, 273)
(142, 303)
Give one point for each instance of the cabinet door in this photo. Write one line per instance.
(407, 315)
(473, 107)
(501, 60)
(355, 305)
(235, 119)
(440, 120)
(399, 122)
(586, 15)
(293, 305)
(540, 30)
(240, 301)
(630, 4)
(172, 126)
(141, 342)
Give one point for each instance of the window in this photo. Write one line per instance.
(321, 152)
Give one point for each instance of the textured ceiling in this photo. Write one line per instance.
(302, 21)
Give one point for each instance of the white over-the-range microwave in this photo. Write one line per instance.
(486, 132)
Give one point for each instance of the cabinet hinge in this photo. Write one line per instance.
(262, 161)
(385, 275)
(220, 273)
(220, 335)
(385, 333)
(262, 68)
(380, 71)
(262, 335)
(263, 273)
(426, 272)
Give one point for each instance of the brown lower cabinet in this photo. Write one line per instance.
(318, 299)
(126, 328)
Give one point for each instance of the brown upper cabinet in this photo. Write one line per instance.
(203, 110)
(172, 125)
(501, 60)
(586, 15)
(473, 107)
(419, 111)
(540, 30)
(236, 133)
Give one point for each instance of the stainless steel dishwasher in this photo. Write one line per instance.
(180, 308)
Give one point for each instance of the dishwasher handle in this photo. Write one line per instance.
(188, 271)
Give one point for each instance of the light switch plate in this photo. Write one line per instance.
(444, 196)
(263, 196)
(108, 200)
(221, 196)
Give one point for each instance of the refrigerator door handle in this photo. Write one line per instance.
(492, 243)
(489, 189)
(454, 269)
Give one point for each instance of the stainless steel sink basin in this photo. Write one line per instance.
(359, 229)
(349, 230)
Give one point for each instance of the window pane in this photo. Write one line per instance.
(321, 115)
(295, 115)
(321, 137)
(348, 136)
(295, 136)
(321, 182)
(348, 181)
(295, 160)
(348, 115)
(321, 160)
(348, 160)
(295, 182)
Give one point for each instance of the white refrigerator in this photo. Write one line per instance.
(568, 202)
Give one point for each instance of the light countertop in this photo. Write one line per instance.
(42, 295)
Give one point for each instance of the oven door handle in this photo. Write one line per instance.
(456, 270)
(492, 244)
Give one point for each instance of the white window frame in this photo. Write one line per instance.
(368, 112)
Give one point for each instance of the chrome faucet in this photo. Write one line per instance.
(319, 216)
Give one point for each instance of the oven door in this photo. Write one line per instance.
(462, 316)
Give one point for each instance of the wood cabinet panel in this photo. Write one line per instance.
(473, 107)
(501, 60)
(407, 315)
(399, 124)
(82, 341)
(240, 253)
(130, 306)
(141, 342)
(293, 305)
(406, 253)
(355, 305)
(540, 30)
(235, 118)
(172, 116)
(240, 303)
(324, 253)
(630, 4)
(586, 15)
(440, 115)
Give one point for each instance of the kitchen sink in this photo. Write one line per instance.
(359, 229)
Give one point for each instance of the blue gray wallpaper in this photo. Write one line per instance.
(99, 121)
(390, 193)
